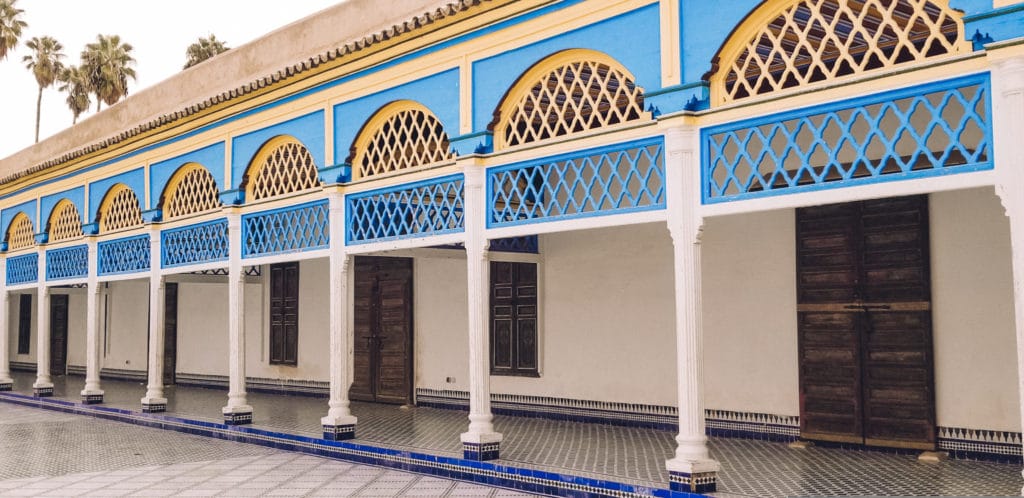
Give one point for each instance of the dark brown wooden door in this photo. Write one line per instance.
(383, 330)
(864, 320)
(170, 332)
(284, 313)
(58, 334)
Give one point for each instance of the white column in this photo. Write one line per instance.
(43, 385)
(692, 468)
(155, 400)
(237, 410)
(1008, 131)
(92, 393)
(6, 383)
(339, 424)
(481, 441)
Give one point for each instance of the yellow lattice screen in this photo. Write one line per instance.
(282, 166)
(20, 235)
(191, 190)
(401, 135)
(567, 93)
(120, 209)
(797, 43)
(65, 223)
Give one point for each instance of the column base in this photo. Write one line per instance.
(693, 476)
(339, 432)
(154, 405)
(481, 447)
(92, 397)
(237, 415)
(42, 391)
(6, 385)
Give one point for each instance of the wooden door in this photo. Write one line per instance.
(170, 332)
(284, 313)
(58, 334)
(383, 330)
(864, 323)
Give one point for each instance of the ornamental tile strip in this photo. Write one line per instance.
(126, 255)
(193, 244)
(430, 207)
(935, 129)
(607, 180)
(292, 229)
(68, 262)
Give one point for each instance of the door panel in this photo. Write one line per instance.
(170, 332)
(284, 313)
(864, 319)
(383, 330)
(58, 334)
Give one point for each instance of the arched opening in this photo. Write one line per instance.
(64, 223)
(191, 190)
(282, 166)
(401, 135)
(120, 209)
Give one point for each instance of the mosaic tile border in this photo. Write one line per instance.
(22, 366)
(493, 474)
(314, 388)
(124, 374)
(981, 444)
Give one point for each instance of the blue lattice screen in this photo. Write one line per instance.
(608, 180)
(431, 207)
(23, 269)
(68, 262)
(194, 244)
(934, 129)
(127, 255)
(295, 228)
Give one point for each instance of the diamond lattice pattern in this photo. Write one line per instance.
(65, 223)
(20, 235)
(127, 255)
(23, 269)
(406, 211)
(299, 228)
(406, 139)
(818, 40)
(600, 181)
(68, 262)
(121, 210)
(284, 169)
(194, 244)
(934, 132)
(575, 97)
(193, 190)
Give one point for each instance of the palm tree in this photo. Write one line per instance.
(203, 49)
(108, 64)
(45, 64)
(75, 82)
(10, 26)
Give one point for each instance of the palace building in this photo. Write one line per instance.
(779, 219)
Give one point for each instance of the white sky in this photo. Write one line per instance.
(158, 31)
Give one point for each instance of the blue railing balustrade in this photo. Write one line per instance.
(429, 207)
(194, 244)
(291, 229)
(67, 262)
(125, 255)
(23, 269)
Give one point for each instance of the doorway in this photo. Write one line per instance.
(58, 334)
(864, 323)
(170, 332)
(383, 330)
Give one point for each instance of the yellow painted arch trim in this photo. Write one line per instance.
(175, 182)
(56, 213)
(526, 81)
(756, 22)
(17, 229)
(108, 200)
(373, 126)
(260, 161)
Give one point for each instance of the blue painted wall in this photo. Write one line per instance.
(134, 179)
(633, 39)
(439, 93)
(212, 157)
(75, 195)
(308, 129)
(8, 214)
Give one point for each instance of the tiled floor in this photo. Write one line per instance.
(749, 468)
(45, 453)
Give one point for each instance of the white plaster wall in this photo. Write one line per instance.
(127, 325)
(973, 318)
(749, 298)
(203, 346)
(440, 314)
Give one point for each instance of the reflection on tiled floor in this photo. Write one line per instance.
(749, 468)
(44, 453)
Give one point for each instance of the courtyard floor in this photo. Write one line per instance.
(621, 454)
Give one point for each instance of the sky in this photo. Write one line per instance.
(159, 32)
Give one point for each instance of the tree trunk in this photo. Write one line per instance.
(39, 104)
